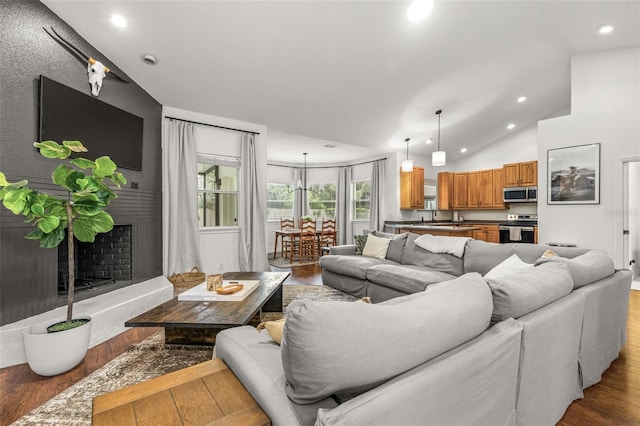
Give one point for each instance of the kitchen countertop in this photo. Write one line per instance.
(434, 227)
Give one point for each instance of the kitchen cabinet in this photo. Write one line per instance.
(489, 233)
(412, 189)
(498, 186)
(478, 189)
(485, 189)
(521, 174)
(460, 188)
(473, 189)
(445, 191)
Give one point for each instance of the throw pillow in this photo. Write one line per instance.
(337, 348)
(376, 247)
(360, 241)
(274, 328)
(509, 266)
(518, 294)
(587, 268)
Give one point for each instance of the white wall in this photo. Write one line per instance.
(605, 105)
(634, 216)
(219, 248)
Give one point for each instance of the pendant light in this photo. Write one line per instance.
(438, 158)
(407, 165)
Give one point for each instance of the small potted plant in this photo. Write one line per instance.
(61, 346)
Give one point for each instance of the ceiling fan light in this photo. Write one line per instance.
(438, 158)
(407, 165)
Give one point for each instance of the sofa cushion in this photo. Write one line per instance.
(523, 292)
(346, 348)
(257, 363)
(406, 278)
(586, 268)
(509, 266)
(414, 255)
(376, 247)
(481, 256)
(351, 266)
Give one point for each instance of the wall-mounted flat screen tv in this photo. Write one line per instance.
(67, 114)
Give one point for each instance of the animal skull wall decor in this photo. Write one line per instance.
(96, 70)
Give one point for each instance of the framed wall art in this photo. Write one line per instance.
(574, 175)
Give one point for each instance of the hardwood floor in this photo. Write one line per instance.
(613, 401)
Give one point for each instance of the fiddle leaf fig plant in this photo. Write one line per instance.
(81, 213)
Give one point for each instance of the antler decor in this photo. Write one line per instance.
(96, 69)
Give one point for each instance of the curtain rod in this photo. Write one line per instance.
(211, 125)
(329, 167)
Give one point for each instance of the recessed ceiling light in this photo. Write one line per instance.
(511, 126)
(429, 141)
(463, 150)
(118, 20)
(605, 29)
(419, 9)
(149, 59)
(331, 145)
(521, 99)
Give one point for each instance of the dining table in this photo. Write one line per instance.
(291, 232)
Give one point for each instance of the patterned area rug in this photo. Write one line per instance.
(143, 361)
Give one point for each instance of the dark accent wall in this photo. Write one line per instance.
(28, 274)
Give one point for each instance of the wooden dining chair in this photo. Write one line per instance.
(285, 248)
(304, 247)
(327, 234)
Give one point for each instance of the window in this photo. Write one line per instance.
(361, 200)
(217, 192)
(279, 201)
(322, 200)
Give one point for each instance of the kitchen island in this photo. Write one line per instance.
(447, 230)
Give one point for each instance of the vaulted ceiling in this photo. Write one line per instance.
(357, 72)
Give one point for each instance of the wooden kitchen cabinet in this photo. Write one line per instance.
(489, 233)
(460, 188)
(498, 188)
(412, 189)
(485, 189)
(473, 189)
(521, 174)
(445, 191)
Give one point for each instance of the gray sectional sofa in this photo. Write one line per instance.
(441, 344)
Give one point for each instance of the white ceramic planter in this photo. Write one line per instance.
(49, 354)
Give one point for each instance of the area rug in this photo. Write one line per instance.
(143, 361)
(282, 262)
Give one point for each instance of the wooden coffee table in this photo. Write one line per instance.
(204, 394)
(198, 323)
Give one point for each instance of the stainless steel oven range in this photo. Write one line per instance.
(519, 228)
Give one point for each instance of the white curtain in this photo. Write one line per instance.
(343, 206)
(300, 196)
(181, 242)
(376, 211)
(252, 212)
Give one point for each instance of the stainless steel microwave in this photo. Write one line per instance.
(521, 194)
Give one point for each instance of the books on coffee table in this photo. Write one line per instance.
(200, 293)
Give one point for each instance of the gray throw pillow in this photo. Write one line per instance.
(360, 241)
(586, 268)
(342, 348)
(523, 292)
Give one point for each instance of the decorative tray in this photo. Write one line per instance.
(200, 293)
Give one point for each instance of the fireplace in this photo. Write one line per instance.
(104, 264)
